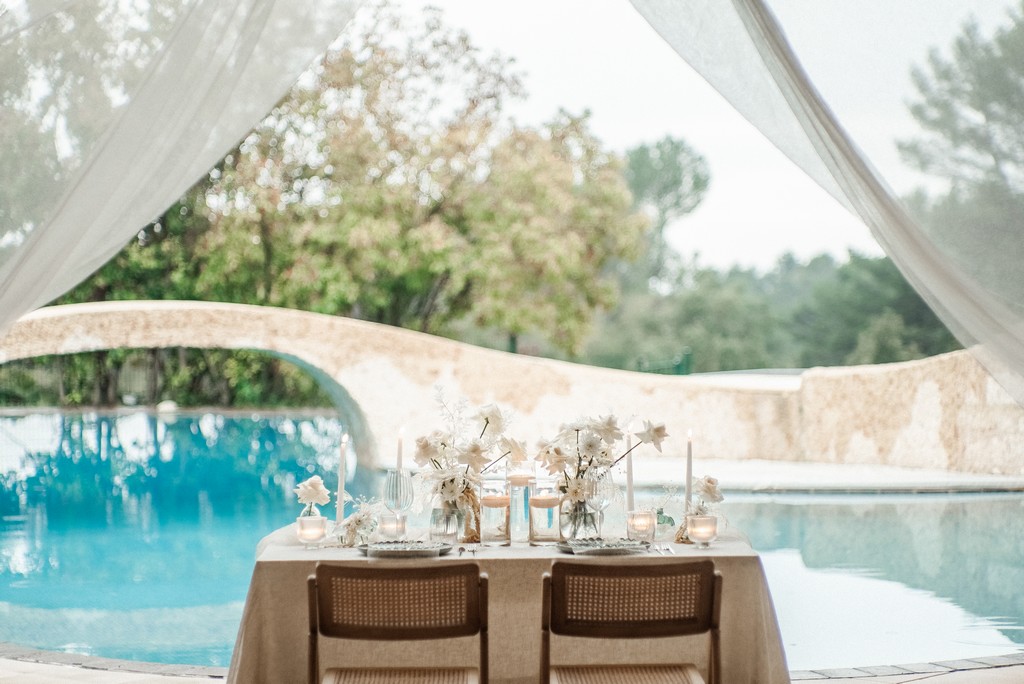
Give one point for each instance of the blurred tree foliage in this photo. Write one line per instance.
(970, 109)
(797, 315)
(390, 185)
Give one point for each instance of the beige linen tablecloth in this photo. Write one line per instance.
(272, 638)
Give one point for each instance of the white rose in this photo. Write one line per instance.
(312, 491)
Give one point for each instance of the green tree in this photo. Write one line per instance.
(970, 107)
(389, 186)
(868, 307)
(668, 180)
(366, 193)
(723, 320)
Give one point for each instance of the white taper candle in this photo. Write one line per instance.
(629, 473)
(339, 505)
(689, 469)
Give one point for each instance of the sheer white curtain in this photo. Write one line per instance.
(742, 51)
(111, 110)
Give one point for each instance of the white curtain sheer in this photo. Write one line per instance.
(742, 51)
(108, 116)
(111, 111)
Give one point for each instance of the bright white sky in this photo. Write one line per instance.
(602, 55)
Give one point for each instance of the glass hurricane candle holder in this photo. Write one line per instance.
(494, 510)
(640, 525)
(544, 502)
(702, 529)
(519, 475)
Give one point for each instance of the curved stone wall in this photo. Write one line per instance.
(944, 412)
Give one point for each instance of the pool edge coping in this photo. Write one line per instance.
(939, 667)
(10, 651)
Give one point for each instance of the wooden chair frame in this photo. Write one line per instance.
(555, 617)
(323, 623)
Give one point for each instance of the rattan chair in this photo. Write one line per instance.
(397, 603)
(634, 601)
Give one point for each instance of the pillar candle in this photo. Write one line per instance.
(340, 503)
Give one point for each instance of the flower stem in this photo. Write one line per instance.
(626, 452)
(488, 466)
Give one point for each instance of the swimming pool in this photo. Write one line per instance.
(132, 536)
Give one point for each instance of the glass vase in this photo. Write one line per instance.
(576, 520)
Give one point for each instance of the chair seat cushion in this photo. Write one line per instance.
(619, 674)
(420, 676)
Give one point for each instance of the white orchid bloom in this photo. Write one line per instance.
(516, 450)
(607, 427)
(590, 445)
(491, 421)
(652, 434)
(473, 455)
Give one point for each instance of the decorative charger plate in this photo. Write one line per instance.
(404, 549)
(603, 547)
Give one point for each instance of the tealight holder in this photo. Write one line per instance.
(702, 529)
(392, 526)
(311, 529)
(641, 525)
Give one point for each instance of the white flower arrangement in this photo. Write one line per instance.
(588, 443)
(456, 457)
(581, 448)
(312, 492)
(357, 527)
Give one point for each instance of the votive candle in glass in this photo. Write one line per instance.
(702, 529)
(311, 529)
(392, 526)
(640, 525)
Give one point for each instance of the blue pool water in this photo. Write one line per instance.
(132, 536)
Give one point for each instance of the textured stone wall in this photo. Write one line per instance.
(944, 412)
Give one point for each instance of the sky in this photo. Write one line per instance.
(601, 55)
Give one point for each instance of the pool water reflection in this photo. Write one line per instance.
(132, 536)
(886, 579)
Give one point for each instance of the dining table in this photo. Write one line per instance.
(272, 638)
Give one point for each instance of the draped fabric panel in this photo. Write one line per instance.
(110, 113)
(742, 51)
